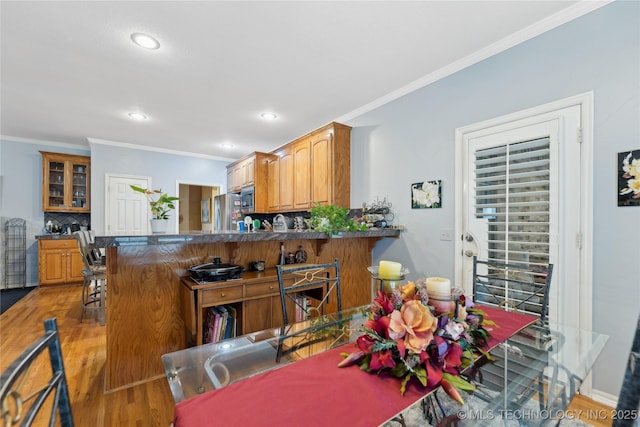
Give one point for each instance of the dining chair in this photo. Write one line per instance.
(309, 289)
(29, 386)
(629, 398)
(524, 288)
(307, 292)
(95, 277)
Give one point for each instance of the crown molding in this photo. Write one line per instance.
(8, 138)
(562, 17)
(156, 149)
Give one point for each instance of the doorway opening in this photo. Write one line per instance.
(195, 207)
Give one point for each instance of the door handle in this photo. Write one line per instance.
(468, 238)
(469, 253)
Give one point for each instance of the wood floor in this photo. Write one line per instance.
(84, 352)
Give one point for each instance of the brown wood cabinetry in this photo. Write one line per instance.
(330, 165)
(312, 169)
(59, 262)
(252, 170)
(66, 182)
(285, 180)
(302, 174)
(256, 297)
(248, 171)
(273, 179)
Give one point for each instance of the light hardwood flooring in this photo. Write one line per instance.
(84, 353)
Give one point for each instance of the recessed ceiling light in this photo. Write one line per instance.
(145, 40)
(268, 116)
(137, 116)
(227, 145)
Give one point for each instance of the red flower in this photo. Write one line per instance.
(380, 326)
(383, 302)
(434, 374)
(381, 359)
(453, 359)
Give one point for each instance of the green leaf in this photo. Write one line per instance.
(403, 385)
(458, 382)
(421, 374)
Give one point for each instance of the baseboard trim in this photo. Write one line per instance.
(604, 398)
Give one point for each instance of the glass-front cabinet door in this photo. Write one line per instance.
(65, 183)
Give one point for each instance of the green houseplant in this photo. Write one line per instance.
(332, 219)
(161, 204)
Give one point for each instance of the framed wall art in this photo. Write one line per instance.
(426, 195)
(629, 178)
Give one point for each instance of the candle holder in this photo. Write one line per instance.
(384, 284)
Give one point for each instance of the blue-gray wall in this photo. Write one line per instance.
(412, 140)
(163, 168)
(21, 193)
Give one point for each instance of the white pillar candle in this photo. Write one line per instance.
(439, 288)
(389, 270)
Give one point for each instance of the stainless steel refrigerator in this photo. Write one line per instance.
(227, 211)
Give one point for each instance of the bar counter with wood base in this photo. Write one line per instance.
(145, 304)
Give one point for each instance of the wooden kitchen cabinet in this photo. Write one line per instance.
(273, 178)
(59, 262)
(302, 174)
(66, 182)
(252, 170)
(285, 180)
(330, 165)
(234, 178)
(312, 169)
(256, 297)
(248, 171)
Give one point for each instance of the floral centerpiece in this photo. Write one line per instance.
(404, 338)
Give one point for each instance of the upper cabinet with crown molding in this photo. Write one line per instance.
(66, 182)
(312, 169)
(251, 170)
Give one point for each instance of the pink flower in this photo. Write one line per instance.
(415, 323)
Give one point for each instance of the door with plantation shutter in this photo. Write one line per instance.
(521, 201)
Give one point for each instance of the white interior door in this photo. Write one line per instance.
(521, 201)
(127, 212)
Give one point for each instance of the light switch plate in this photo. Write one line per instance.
(446, 234)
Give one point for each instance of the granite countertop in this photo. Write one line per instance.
(55, 236)
(233, 236)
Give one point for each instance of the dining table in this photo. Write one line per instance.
(289, 375)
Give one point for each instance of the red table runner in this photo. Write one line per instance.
(315, 392)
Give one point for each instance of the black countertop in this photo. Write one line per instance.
(233, 236)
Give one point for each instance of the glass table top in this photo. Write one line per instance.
(558, 357)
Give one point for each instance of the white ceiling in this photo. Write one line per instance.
(70, 72)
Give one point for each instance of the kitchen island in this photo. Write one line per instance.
(146, 300)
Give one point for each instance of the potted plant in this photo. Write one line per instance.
(332, 219)
(160, 207)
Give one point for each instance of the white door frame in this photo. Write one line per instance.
(585, 101)
(198, 183)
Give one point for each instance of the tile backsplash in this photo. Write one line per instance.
(60, 218)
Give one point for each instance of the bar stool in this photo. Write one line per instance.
(95, 279)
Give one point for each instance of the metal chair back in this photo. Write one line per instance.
(308, 289)
(27, 388)
(518, 287)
